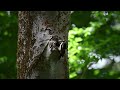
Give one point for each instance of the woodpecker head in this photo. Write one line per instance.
(60, 45)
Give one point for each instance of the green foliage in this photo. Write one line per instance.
(8, 44)
(98, 40)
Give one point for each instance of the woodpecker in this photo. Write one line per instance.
(61, 48)
(59, 44)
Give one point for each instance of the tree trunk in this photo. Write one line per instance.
(42, 45)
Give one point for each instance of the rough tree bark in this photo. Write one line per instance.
(42, 45)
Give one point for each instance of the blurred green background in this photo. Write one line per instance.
(8, 44)
(93, 45)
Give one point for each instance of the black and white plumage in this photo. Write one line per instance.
(62, 48)
(60, 45)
